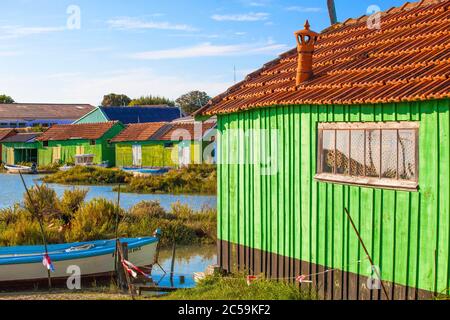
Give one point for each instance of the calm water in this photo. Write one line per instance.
(187, 261)
(11, 192)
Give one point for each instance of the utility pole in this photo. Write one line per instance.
(332, 11)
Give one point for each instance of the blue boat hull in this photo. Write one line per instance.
(24, 263)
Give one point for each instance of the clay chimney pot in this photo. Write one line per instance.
(306, 41)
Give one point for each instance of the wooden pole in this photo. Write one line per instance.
(116, 231)
(41, 226)
(332, 11)
(117, 212)
(367, 252)
(123, 255)
(172, 265)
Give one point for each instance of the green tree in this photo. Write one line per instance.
(192, 101)
(6, 99)
(151, 101)
(115, 100)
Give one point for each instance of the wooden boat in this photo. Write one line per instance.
(15, 169)
(66, 168)
(104, 164)
(24, 264)
(84, 160)
(146, 171)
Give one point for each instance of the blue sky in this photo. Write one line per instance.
(141, 47)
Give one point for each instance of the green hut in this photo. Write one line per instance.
(355, 118)
(65, 143)
(20, 148)
(5, 133)
(163, 144)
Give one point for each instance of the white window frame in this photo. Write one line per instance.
(366, 181)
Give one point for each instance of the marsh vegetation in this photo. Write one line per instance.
(71, 218)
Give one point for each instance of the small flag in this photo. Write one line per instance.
(302, 279)
(47, 262)
(251, 279)
(133, 270)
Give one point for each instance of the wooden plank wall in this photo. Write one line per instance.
(292, 215)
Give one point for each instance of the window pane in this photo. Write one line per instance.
(389, 154)
(357, 153)
(373, 153)
(407, 165)
(328, 151)
(342, 155)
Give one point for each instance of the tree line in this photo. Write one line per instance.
(189, 102)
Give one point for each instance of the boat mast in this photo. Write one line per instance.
(41, 226)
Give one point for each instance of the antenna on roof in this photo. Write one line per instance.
(234, 74)
(332, 11)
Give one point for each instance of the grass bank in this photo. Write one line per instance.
(87, 176)
(235, 288)
(195, 179)
(72, 219)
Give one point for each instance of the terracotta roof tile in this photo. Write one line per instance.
(4, 133)
(408, 59)
(89, 131)
(188, 131)
(23, 137)
(139, 132)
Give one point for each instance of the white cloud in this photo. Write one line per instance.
(210, 50)
(243, 17)
(304, 9)
(89, 88)
(97, 49)
(11, 32)
(10, 53)
(128, 23)
(195, 35)
(257, 4)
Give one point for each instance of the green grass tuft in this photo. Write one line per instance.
(195, 179)
(235, 288)
(87, 176)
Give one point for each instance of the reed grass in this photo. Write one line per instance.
(87, 176)
(73, 219)
(194, 179)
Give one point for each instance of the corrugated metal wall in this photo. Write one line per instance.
(291, 214)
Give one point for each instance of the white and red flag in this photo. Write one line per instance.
(133, 270)
(251, 279)
(303, 279)
(47, 262)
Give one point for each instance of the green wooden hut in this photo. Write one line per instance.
(356, 117)
(5, 133)
(63, 143)
(20, 148)
(164, 144)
